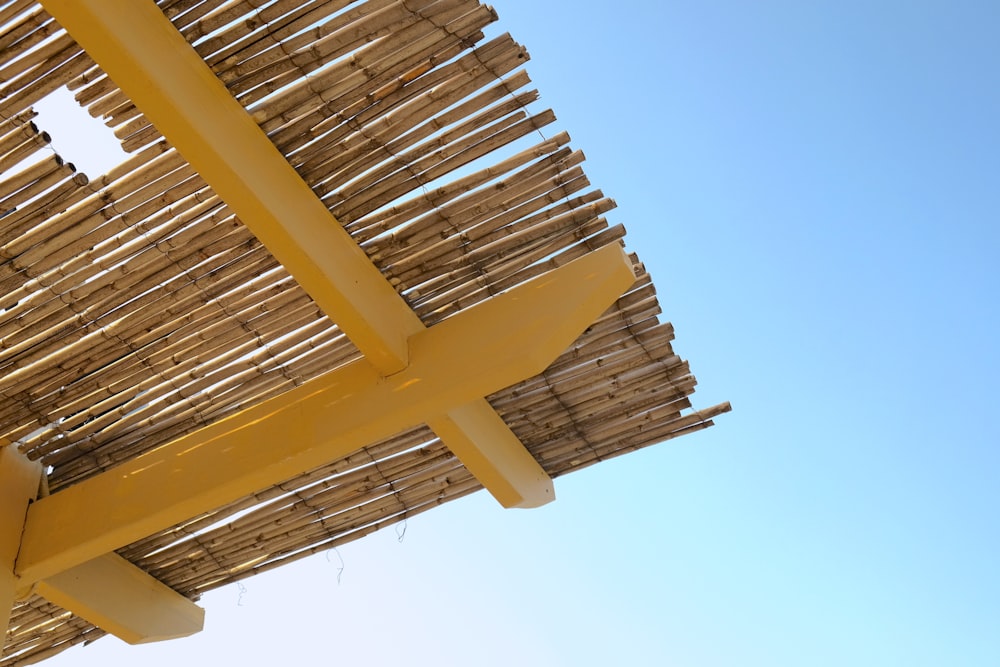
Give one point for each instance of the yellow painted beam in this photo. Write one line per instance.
(476, 352)
(477, 435)
(139, 48)
(118, 597)
(163, 75)
(19, 479)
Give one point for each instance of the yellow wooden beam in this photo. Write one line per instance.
(163, 75)
(19, 480)
(160, 72)
(474, 353)
(481, 440)
(118, 597)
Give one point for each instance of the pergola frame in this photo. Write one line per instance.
(409, 375)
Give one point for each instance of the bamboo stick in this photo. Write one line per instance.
(59, 70)
(19, 30)
(32, 65)
(12, 9)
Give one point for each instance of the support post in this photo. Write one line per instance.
(19, 480)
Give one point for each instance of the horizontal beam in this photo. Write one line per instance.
(474, 353)
(160, 72)
(163, 75)
(118, 597)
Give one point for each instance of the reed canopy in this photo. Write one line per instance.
(348, 271)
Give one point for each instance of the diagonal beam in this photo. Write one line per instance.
(472, 354)
(163, 75)
(160, 72)
(118, 597)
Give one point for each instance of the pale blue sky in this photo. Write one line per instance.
(814, 187)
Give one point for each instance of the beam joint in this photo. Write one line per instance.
(469, 355)
(163, 75)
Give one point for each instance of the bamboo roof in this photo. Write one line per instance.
(138, 308)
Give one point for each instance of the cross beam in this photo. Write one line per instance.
(476, 352)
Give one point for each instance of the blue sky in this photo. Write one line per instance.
(814, 187)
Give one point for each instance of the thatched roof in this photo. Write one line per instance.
(138, 308)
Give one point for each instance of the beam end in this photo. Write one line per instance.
(118, 597)
(484, 444)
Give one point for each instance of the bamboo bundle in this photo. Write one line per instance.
(370, 67)
(185, 381)
(23, 150)
(138, 131)
(21, 36)
(305, 506)
(371, 116)
(34, 62)
(400, 128)
(421, 210)
(206, 322)
(32, 181)
(434, 166)
(518, 269)
(313, 48)
(145, 167)
(270, 26)
(11, 123)
(175, 544)
(15, 134)
(494, 236)
(527, 191)
(79, 343)
(59, 238)
(45, 78)
(182, 14)
(364, 520)
(176, 420)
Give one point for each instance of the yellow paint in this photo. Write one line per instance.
(118, 597)
(480, 350)
(19, 480)
(480, 439)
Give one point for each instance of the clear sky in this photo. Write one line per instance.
(814, 186)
